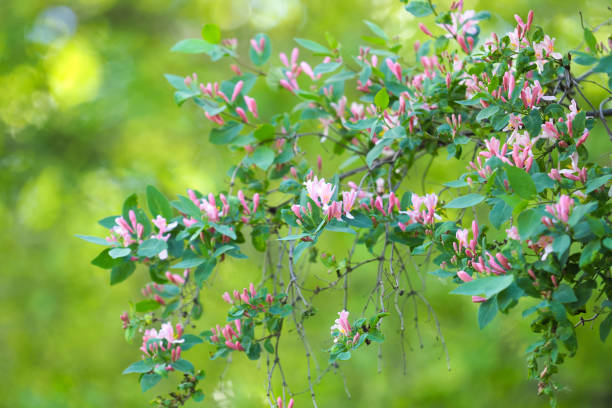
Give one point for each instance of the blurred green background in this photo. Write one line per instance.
(86, 118)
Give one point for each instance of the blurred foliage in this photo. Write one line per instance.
(86, 116)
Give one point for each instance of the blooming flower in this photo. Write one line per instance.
(341, 324)
(320, 192)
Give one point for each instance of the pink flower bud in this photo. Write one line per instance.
(255, 202)
(240, 112)
(237, 89)
(226, 296)
(464, 276)
(251, 105)
(425, 30)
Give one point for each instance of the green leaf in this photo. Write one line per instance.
(148, 381)
(121, 272)
(198, 396)
(582, 58)
(184, 366)
(542, 181)
(604, 65)
(158, 203)
(259, 237)
(130, 203)
(528, 223)
(190, 340)
(254, 351)
(226, 134)
(264, 132)
(604, 327)
(533, 122)
(108, 222)
(487, 112)
(564, 294)
(488, 286)
(345, 355)
(313, 46)
(203, 271)
(487, 312)
(580, 211)
(151, 247)
(589, 253)
(377, 150)
(326, 67)
(147, 305)
(263, 157)
(119, 252)
(260, 59)
(500, 213)
(193, 46)
(189, 263)
(142, 366)
(93, 240)
(211, 33)
(104, 260)
(382, 99)
(521, 182)
(465, 201)
(341, 76)
(590, 40)
(561, 244)
(224, 230)
(419, 8)
(595, 183)
(376, 30)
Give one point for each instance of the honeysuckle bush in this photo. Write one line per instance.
(508, 106)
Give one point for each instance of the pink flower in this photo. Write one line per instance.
(240, 112)
(251, 105)
(531, 95)
(237, 89)
(342, 324)
(348, 200)
(395, 68)
(425, 30)
(561, 210)
(319, 191)
(174, 278)
(334, 211)
(464, 276)
(226, 296)
(245, 207)
(513, 233)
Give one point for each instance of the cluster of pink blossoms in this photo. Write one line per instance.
(208, 205)
(247, 297)
(561, 211)
(126, 233)
(293, 70)
(172, 342)
(230, 335)
(550, 132)
(496, 264)
(418, 214)
(342, 325)
(213, 91)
